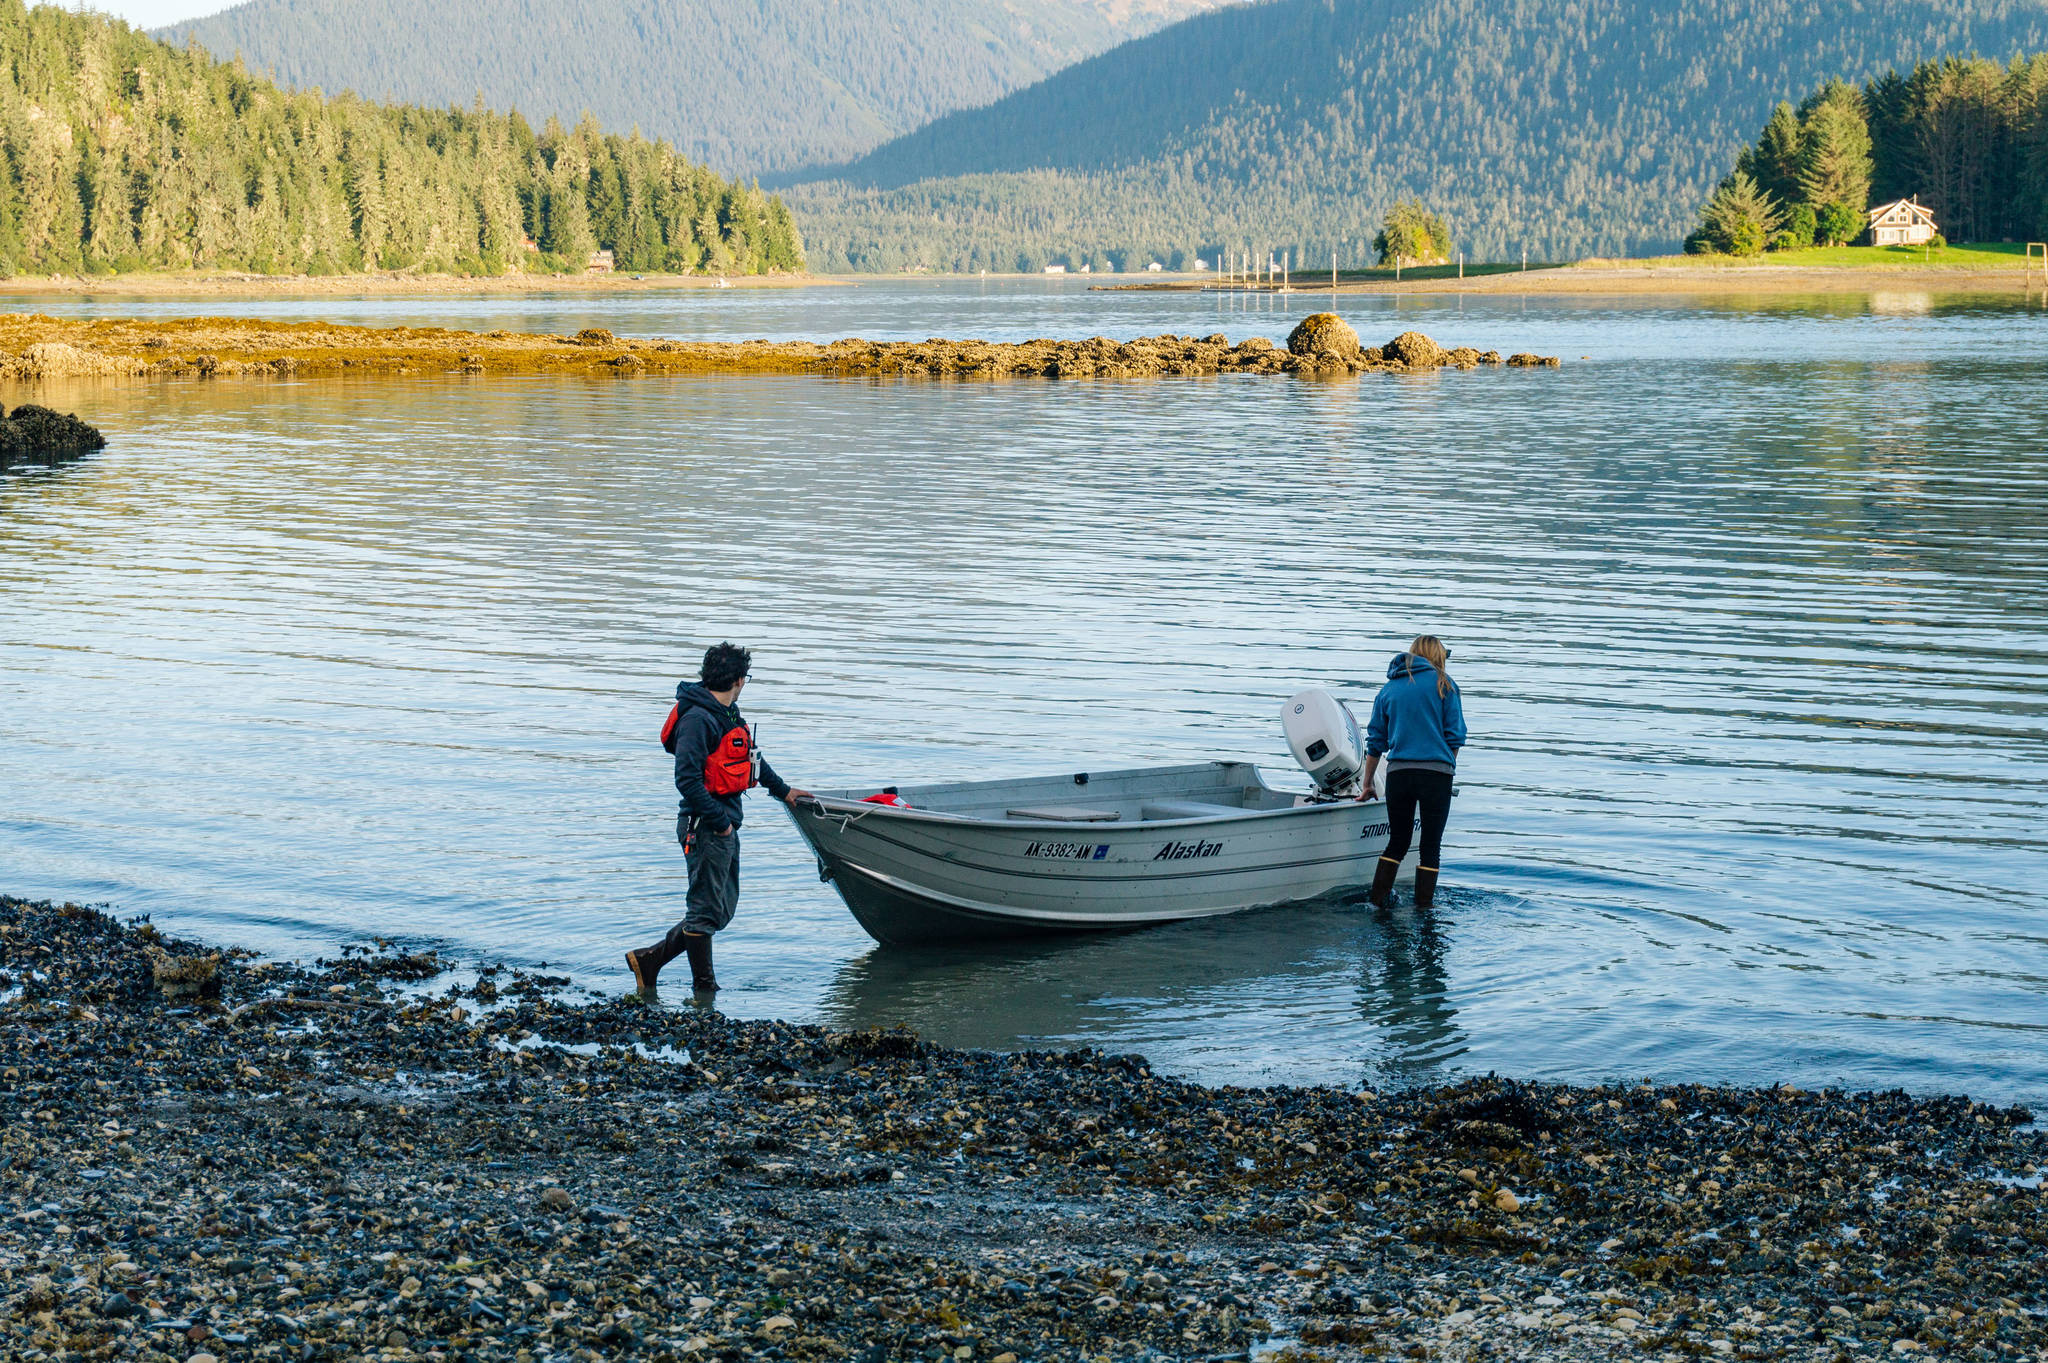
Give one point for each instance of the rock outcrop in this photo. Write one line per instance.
(217, 347)
(1413, 350)
(1324, 336)
(57, 360)
(38, 434)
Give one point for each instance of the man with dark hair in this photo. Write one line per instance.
(716, 763)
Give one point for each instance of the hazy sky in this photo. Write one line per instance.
(151, 13)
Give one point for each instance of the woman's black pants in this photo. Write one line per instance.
(1407, 790)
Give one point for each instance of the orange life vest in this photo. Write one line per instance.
(730, 769)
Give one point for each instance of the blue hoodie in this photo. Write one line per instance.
(1411, 723)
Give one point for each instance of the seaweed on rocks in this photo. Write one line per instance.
(289, 1172)
(1323, 345)
(36, 434)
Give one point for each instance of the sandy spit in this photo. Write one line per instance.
(203, 1154)
(1596, 279)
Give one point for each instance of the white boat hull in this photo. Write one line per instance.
(971, 861)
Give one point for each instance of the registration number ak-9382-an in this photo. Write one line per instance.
(1069, 851)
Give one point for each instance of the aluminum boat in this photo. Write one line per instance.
(1088, 851)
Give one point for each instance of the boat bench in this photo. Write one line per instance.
(1064, 814)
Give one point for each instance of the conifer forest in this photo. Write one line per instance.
(121, 153)
(1966, 136)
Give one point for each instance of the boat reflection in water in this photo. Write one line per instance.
(1220, 1000)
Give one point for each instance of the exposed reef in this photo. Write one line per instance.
(38, 347)
(202, 1155)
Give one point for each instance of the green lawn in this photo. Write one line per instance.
(1989, 255)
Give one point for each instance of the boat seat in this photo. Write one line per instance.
(1065, 814)
(1188, 809)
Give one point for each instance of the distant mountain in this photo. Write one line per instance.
(1557, 126)
(747, 86)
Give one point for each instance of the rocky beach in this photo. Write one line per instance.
(204, 1155)
(35, 347)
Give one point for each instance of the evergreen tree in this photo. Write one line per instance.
(2030, 161)
(1834, 161)
(118, 152)
(1740, 219)
(1895, 166)
(1962, 145)
(1775, 161)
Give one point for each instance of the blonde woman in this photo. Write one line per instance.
(1418, 725)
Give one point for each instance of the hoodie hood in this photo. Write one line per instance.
(1398, 668)
(691, 695)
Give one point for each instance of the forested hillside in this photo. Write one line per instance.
(118, 152)
(1564, 128)
(746, 87)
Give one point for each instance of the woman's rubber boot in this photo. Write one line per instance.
(698, 945)
(1381, 895)
(1425, 886)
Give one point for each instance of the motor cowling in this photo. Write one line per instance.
(1325, 740)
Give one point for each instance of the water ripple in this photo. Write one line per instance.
(1751, 611)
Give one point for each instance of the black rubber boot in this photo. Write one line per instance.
(1425, 886)
(646, 964)
(698, 945)
(1381, 895)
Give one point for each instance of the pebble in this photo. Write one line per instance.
(304, 1175)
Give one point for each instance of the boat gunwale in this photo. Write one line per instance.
(829, 805)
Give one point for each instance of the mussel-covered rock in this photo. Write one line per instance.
(1413, 350)
(38, 434)
(1324, 336)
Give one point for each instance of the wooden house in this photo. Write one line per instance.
(600, 263)
(1903, 223)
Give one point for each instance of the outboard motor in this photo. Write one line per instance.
(1324, 736)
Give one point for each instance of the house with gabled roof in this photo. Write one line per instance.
(1902, 223)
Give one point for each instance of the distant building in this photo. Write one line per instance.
(528, 244)
(1055, 269)
(1155, 267)
(1904, 223)
(600, 263)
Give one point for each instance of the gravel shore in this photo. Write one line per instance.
(207, 1156)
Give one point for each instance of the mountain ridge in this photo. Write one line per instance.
(764, 86)
(1544, 125)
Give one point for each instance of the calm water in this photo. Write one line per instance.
(1750, 607)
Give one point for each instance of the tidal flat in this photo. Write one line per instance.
(34, 348)
(207, 1155)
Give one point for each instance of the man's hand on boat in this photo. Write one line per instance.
(796, 797)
